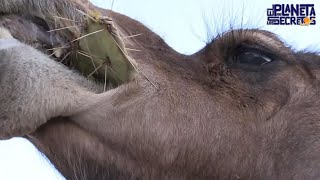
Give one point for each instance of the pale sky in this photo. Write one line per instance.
(182, 24)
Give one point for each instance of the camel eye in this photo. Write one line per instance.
(252, 57)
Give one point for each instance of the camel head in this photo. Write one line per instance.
(243, 107)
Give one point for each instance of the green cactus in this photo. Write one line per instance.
(101, 53)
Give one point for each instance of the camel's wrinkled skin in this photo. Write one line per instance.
(218, 114)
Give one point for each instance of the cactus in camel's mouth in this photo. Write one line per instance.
(101, 52)
(93, 45)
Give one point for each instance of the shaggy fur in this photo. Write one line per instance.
(215, 115)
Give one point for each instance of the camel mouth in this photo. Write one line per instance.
(95, 47)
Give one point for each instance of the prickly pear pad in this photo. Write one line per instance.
(101, 52)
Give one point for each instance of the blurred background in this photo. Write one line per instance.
(186, 25)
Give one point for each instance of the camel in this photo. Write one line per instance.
(243, 107)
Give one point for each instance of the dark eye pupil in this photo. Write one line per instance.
(252, 58)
